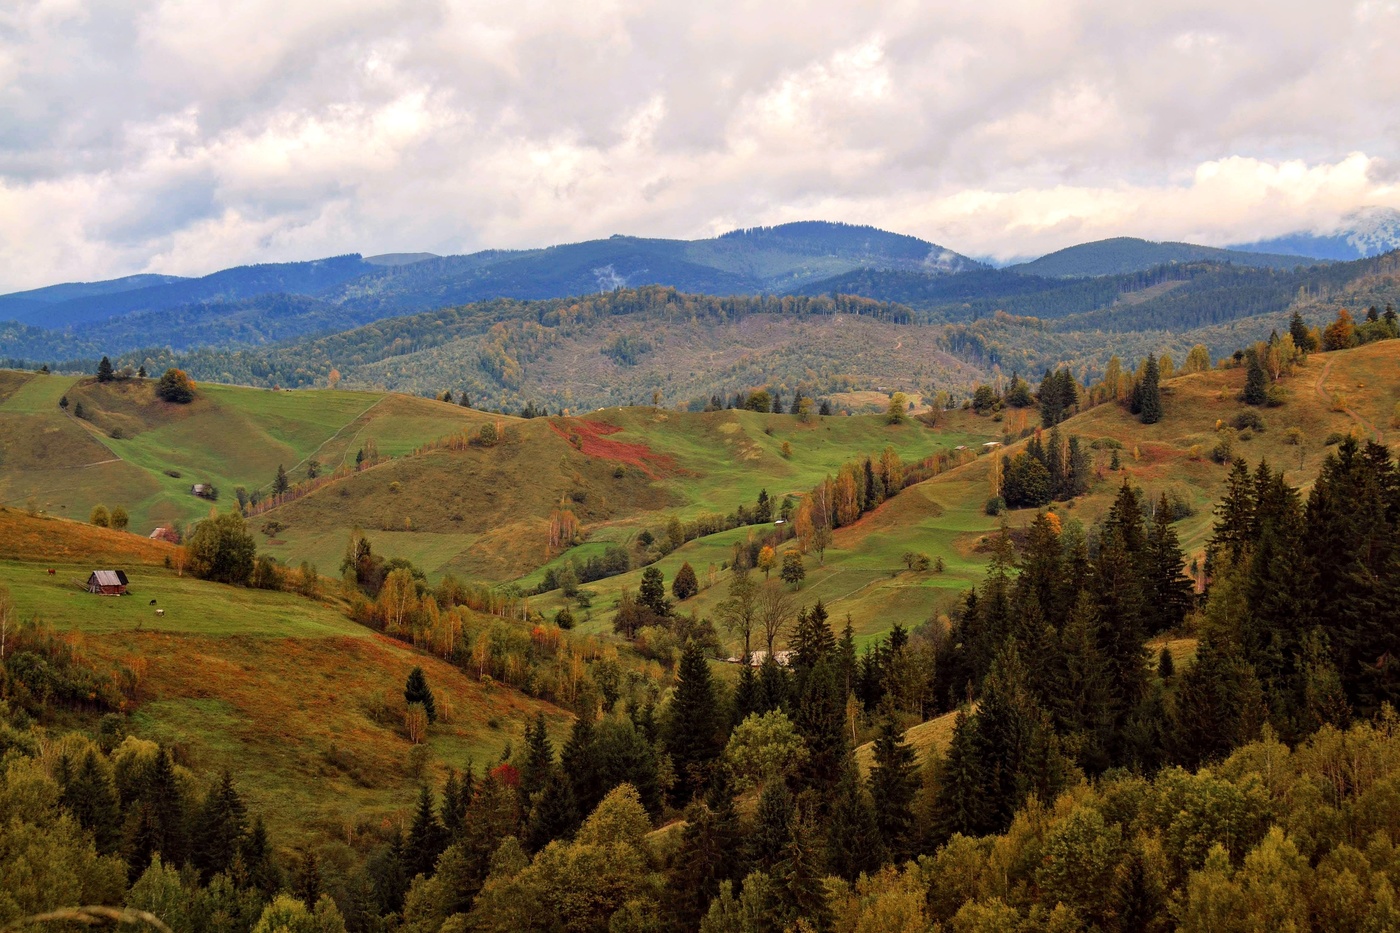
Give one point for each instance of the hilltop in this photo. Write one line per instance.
(1120, 255)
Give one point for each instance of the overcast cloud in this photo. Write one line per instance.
(184, 137)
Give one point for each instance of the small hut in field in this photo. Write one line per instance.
(107, 583)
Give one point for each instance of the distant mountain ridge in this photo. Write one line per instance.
(1361, 234)
(1121, 255)
(751, 261)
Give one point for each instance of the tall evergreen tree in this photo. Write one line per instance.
(539, 761)
(710, 854)
(1150, 393)
(555, 813)
(963, 803)
(580, 761)
(853, 841)
(773, 820)
(92, 799)
(426, 838)
(692, 734)
(820, 718)
(219, 832)
(1169, 593)
(1256, 382)
(416, 690)
(894, 781)
(104, 370)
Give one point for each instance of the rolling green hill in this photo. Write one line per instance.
(135, 451)
(301, 704)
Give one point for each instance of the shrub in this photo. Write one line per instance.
(175, 386)
(1336, 437)
(1294, 436)
(1247, 419)
(1276, 396)
(1107, 443)
(564, 618)
(173, 474)
(996, 505)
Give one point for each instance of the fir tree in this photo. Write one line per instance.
(853, 838)
(820, 717)
(1256, 383)
(1169, 593)
(811, 639)
(539, 761)
(220, 829)
(685, 585)
(710, 854)
(426, 838)
(104, 370)
(554, 814)
(693, 728)
(963, 805)
(747, 699)
(580, 762)
(279, 482)
(772, 829)
(416, 690)
(92, 799)
(306, 885)
(262, 872)
(1149, 394)
(454, 806)
(894, 781)
(800, 876)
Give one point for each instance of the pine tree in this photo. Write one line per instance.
(539, 761)
(1149, 396)
(963, 805)
(555, 813)
(747, 697)
(416, 690)
(262, 872)
(220, 829)
(773, 820)
(652, 592)
(1302, 337)
(800, 875)
(579, 761)
(1169, 593)
(454, 809)
(426, 838)
(1256, 383)
(811, 639)
(104, 370)
(693, 727)
(92, 799)
(685, 585)
(894, 780)
(853, 839)
(279, 482)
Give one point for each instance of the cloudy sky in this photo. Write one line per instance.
(186, 136)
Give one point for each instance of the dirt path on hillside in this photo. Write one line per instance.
(343, 427)
(1350, 413)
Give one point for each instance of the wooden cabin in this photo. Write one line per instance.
(107, 583)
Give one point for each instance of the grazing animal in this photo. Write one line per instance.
(153, 602)
(52, 571)
(160, 612)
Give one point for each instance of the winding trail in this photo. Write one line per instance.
(1350, 413)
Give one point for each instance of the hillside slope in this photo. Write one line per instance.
(1119, 255)
(302, 705)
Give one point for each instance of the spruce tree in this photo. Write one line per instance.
(1150, 393)
(554, 815)
(685, 585)
(220, 828)
(710, 854)
(853, 838)
(280, 482)
(426, 838)
(1256, 383)
(580, 761)
(800, 876)
(416, 690)
(1169, 592)
(693, 738)
(894, 781)
(767, 842)
(820, 717)
(104, 370)
(747, 697)
(262, 872)
(539, 761)
(454, 809)
(92, 799)
(963, 804)
(811, 639)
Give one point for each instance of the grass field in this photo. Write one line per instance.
(301, 704)
(126, 451)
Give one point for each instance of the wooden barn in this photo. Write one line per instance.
(107, 583)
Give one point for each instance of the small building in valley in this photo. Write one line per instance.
(107, 583)
(203, 490)
(165, 534)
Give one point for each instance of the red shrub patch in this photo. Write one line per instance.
(590, 437)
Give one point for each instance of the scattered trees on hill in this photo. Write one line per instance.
(222, 549)
(120, 519)
(1049, 469)
(100, 517)
(175, 386)
(1059, 397)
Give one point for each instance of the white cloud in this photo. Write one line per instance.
(183, 137)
